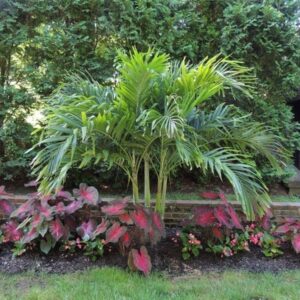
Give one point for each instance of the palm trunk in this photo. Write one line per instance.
(159, 205)
(147, 193)
(158, 202)
(163, 197)
(134, 180)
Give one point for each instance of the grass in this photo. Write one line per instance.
(110, 283)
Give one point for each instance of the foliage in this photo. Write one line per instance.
(218, 234)
(41, 42)
(159, 122)
(50, 221)
(191, 246)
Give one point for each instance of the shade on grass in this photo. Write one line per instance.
(109, 283)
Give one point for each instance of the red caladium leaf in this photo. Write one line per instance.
(114, 233)
(11, 231)
(115, 208)
(125, 218)
(140, 218)
(57, 229)
(223, 198)
(60, 208)
(6, 206)
(126, 240)
(141, 260)
(204, 216)
(88, 194)
(154, 235)
(73, 206)
(101, 227)
(221, 216)
(158, 223)
(234, 217)
(45, 210)
(32, 183)
(36, 220)
(266, 220)
(296, 243)
(23, 209)
(30, 235)
(86, 229)
(210, 195)
(217, 232)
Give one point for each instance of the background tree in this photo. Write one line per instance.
(42, 41)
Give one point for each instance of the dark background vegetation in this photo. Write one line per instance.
(43, 41)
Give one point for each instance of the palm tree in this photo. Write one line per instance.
(155, 115)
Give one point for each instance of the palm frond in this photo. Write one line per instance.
(246, 182)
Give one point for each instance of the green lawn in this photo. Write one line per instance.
(111, 283)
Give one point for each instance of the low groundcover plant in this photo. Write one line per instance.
(220, 230)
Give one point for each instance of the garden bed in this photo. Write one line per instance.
(166, 257)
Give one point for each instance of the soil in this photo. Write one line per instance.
(166, 257)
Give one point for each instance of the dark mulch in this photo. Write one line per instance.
(165, 256)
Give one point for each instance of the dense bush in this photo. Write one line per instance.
(42, 41)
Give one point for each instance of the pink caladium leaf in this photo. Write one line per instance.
(115, 208)
(57, 229)
(63, 194)
(266, 220)
(86, 229)
(30, 236)
(126, 239)
(59, 208)
(210, 195)
(101, 228)
(158, 223)
(23, 209)
(204, 216)
(234, 217)
(140, 218)
(141, 260)
(45, 210)
(11, 231)
(125, 218)
(285, 228)
(222, 217)
(114, 233)
(6, 206)
(32, 183)
(296, 243)
(37, 220)
(88, 194)
(73, 206)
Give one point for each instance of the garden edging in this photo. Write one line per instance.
(179, 210)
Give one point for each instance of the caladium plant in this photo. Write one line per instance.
(47, 219)
(140, 260)
(52, 219)
(222, 215)
(88, 194)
